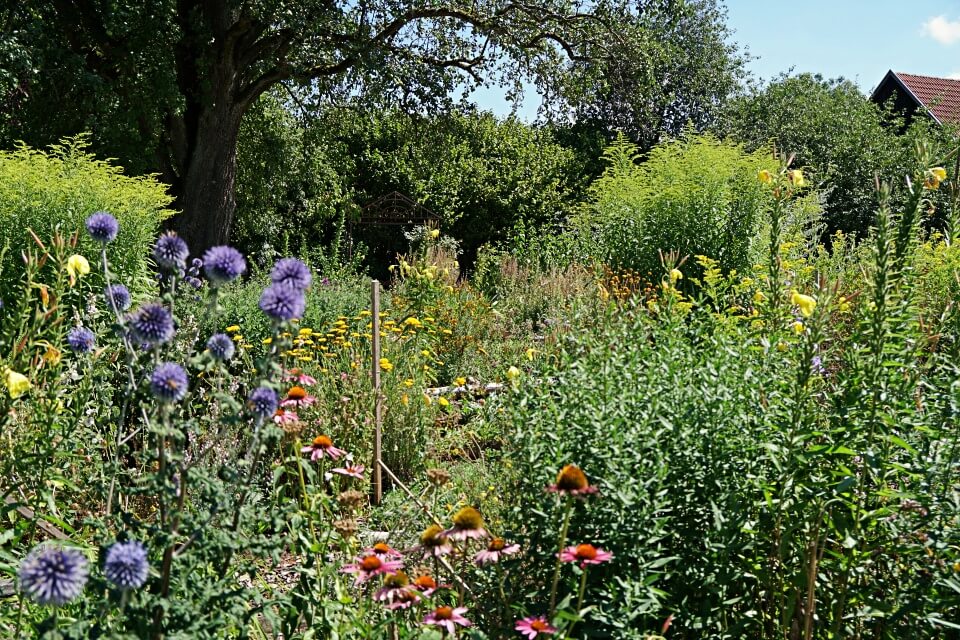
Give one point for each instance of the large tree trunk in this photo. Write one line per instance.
(207, 199)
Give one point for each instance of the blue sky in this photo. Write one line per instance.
(857, 39)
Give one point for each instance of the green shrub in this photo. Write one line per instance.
(694, 196)
(59, 188)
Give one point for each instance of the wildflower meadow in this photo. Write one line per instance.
(295, 343)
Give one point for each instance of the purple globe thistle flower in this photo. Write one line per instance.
(102, 227)
(152, 323)
(81, 340)
(282, 302)
(126, 565)
(171, 251)
(223, 264)
(118, 297)
(169, 382)
(291, 272)
(194, 282)
(263, 402)
(52, 575)
(221, 346)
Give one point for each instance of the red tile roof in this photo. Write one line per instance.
(941, 96)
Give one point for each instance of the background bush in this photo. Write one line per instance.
(693, 196)
(59, 188)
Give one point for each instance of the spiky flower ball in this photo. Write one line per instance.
(81, 340)
(291, 272)
(223, 264)
(118, 297)
(126, 565)
(282, 302)
(263, 401)
(169, 382)
(102, 227)
(221, 347)
(171, 252)
(52, 575)
(152, 323)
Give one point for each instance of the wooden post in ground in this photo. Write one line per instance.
(378, 399)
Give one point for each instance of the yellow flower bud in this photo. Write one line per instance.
(17, 384)
(765, 176)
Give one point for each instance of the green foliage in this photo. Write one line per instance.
(694, 196)
(288, 194)
(58, 189)
(836, 134)
(671, 66)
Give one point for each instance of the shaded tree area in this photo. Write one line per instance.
(482, 175)
(170, 87)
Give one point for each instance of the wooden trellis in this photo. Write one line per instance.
(395, 209)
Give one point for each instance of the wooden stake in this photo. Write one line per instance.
(378, 399)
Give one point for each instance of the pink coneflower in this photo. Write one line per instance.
(494, 551)
(434, 542)
(533, 627)
(404, 599)
(383, 550)
(396, 592)
(320, 447)
(298, 376)
(283, 417)
(571, 481)
(585, 554)
(370, 565)
(448, 618)
(467, 525)
(425, 584)
(351, 470)
(297, 396)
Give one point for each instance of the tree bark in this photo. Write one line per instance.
(207, 201)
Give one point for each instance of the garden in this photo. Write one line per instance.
(698, 384)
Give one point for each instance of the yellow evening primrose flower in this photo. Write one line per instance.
(77, 265)
(513, 373)
(675, 274)
(435, 234)
(796, 177)
(806, 303)
(52, 355)
(765, 176)
(798, 327)
(17, 384)
(781, 346)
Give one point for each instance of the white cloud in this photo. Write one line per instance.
(942, 30)
(955, 75)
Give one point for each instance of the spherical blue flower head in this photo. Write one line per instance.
(81, 340)
(52, 575)
(194, 282)
(291, 272)
(126, 565)
(118, 297)
(223, 264)
(152, 323)
(169, 382)
(102, 227)
(171, 252)
(282, 302)
(221, 346)
(263, 401)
